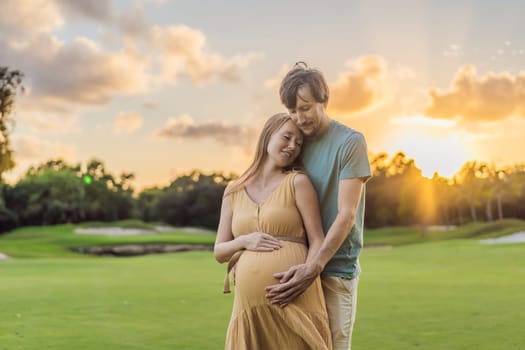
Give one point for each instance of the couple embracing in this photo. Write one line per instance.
(291, 226)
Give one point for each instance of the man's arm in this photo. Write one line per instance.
(292, 282)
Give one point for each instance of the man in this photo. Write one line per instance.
(335, 157)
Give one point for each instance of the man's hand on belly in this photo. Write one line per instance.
(292, 283)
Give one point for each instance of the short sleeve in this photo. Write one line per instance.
(354, 158)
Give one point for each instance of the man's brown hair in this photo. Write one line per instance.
(299, 76)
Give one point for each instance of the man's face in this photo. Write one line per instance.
(308, 114)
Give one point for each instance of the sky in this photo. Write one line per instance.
(159, 88)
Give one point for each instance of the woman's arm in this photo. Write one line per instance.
(225, 244)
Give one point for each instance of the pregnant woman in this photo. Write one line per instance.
(271, 197)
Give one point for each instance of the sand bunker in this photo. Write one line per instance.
(119, 231)
(518, 237)
(141, 249)
(3, 256)
(113, 231)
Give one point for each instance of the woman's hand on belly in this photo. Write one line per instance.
(260, 242)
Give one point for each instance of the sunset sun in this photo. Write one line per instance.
(434, 145)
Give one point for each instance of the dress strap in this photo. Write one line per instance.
(237, 255)
(290, 184)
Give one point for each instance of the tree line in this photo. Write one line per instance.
(56, 192)
(398, 194)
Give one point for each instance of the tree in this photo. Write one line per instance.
(469, 179)
(192, 200)
(10, 84)
(444, 195)
(147, 203)
(107, 198)
(511, 195)
(56, 192)
(49, 193)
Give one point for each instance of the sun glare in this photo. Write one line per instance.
(434, 147)
(445, 156)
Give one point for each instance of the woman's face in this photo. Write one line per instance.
(285, 144)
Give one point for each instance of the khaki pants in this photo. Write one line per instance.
(341, 302)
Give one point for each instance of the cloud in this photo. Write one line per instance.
(184, 51)
(98, 10)
(132, 22)
(361, 88)
(62, 76)
(185, 127)
(23, 17)
(48, 123)
(471, 98)
(127, 122)
(94, 75)
(35, 149)
(65, 76)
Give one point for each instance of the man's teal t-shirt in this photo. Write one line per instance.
(337, 154)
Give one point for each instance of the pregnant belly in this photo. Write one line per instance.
(254, 270)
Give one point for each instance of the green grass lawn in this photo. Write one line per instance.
(171, 301)
(450, 294)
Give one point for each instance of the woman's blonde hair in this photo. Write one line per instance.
(271, 126)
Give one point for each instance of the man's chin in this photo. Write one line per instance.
(309, 132)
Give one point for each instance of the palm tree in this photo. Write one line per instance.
(470, 186)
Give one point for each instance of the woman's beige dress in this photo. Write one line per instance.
(255, 323)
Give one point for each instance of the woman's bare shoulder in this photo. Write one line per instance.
(301, 180)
